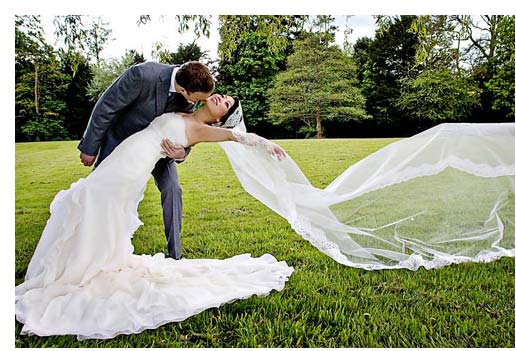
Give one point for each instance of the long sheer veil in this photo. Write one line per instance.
(443, 196)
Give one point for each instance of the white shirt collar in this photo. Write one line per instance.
(172, 88)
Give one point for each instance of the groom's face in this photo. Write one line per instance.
(197, 96)
(194, 97)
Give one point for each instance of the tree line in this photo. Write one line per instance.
(293, 79)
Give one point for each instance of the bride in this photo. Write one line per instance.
(84, 279)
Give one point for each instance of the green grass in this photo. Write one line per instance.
(324, 304)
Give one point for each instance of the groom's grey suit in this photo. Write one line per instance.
(130, 103)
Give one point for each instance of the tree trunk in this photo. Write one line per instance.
(36, 89)
(457, 58)
(318, 125)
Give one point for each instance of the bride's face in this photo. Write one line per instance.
(219, 105)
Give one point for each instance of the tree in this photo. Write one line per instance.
(201, 23)
(135, 56)
(184, 53)
(322, 26)
(438, 95)
(78, 104)
(440, 41)
(279, 31)
(83, 39)
(108, 70)
(249, 67)
(438, 88)
(319, 83)
(500, 86)
(97, 37)
(40, 84)
(30, 50)
(188, 52)
(383, 63)
(270, 26)
(249, 76)
(80, 38)
(361, 56)
(483, 44)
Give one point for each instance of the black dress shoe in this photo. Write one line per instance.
(168, 256)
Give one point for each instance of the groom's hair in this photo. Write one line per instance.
(195, 77)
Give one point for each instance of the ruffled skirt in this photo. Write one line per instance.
(84, 279)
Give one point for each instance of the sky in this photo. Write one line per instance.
(126, 34)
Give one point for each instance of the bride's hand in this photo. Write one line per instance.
(277, 151)
(253, 140)
(169, 149)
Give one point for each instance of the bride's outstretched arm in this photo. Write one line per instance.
(259, 142)
(215, 134)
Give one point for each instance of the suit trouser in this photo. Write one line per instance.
(167, 181)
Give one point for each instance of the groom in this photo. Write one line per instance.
(131, 102)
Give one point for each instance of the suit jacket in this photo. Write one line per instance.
(129, 105)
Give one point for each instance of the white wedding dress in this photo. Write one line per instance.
(84, 279)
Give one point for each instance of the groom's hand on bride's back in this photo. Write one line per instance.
(87, 160)
(171, 150)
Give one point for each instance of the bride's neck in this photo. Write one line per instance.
(201, 116)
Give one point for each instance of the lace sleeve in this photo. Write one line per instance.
(251, 139)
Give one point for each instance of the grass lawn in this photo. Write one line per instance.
(324, 304)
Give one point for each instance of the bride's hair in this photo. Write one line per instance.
(233, 117)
